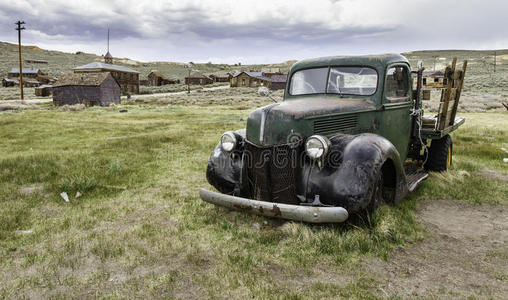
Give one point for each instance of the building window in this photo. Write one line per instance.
(243, 81)
(262, 83)
(255, 83)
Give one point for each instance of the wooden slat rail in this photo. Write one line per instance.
(450, 96)
(462, 74)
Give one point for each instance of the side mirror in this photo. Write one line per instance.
(426, 94)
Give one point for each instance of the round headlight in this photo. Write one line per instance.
(316, 146)
(228, 141)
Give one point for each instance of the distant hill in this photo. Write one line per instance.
(480, 62)
(62, 62)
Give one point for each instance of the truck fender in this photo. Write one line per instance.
(351, 170)
(224, 169)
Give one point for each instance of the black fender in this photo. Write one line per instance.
(224, 169)
(348, 174)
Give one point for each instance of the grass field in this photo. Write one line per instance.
(140, 230)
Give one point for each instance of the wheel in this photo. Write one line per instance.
(440, 154)
(378, 195)
(364, 216)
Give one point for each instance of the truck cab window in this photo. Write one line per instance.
(397, 83)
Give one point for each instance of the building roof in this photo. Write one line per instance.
(258, 75)
(10, 80)
(44, 86)
(108, 55)
(83, 79)
(198, 75)
(102, 66)
(279, 78)
(25, 70)
(159, 74)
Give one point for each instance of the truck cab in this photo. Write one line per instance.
(346, 137)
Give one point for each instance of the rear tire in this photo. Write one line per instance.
(440, 154)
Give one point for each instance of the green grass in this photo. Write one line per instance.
(140, 230)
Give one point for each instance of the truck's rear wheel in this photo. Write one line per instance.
(440, 154)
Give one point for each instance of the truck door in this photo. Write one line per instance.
(395, 117)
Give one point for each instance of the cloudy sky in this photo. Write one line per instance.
(255, 31)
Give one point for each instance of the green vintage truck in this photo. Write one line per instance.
(349, 135)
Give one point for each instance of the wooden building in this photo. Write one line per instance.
(86, 88)
(198, 78)
(249, 79)
(44, 90)
(432, 79)
(221, 77)
(27, 73)
(128, 79)
(268, 72)
(36, 61)
(156, 78)
(278, 82)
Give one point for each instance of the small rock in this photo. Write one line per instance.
(228, 237)
(26, 231)
(256, 226)
(78, 194)
(265, 223)
(123, 110)
(65, 196)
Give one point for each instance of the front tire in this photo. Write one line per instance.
(440, 154)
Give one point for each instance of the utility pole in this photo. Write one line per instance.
(19, 28)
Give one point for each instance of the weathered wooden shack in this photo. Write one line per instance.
(86, 88)
(128, 79)
(27, 73)
(433, 79)
(268, 72)
(198, 78)
(220, 77)
(44, 90)
(156, 78)
(249, 79)
(278, 82)
(9, 82)
(36, 61)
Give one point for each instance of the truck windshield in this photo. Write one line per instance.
(360, 81)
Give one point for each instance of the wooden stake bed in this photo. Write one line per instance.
(450, 95)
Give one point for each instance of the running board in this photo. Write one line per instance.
(414, 179)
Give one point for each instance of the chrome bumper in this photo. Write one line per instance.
(309, 214)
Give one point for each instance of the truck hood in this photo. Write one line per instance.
(281, 123)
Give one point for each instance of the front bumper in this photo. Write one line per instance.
(309, 214)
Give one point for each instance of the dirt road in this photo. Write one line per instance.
(222, 87)
(465, 253)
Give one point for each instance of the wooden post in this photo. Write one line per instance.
(19, 28)
(457, 95)
(188, 82)
(495, 61)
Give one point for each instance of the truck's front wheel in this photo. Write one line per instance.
(440, 154)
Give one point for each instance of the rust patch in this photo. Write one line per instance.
(276, 210)
(242, 207)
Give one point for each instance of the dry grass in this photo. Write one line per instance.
(139, 229)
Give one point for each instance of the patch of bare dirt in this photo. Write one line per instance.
(491, 174)
(464, 254)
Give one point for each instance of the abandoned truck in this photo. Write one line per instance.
(349, 135)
